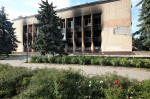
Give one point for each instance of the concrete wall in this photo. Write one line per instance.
(114, 15)
(18, 24)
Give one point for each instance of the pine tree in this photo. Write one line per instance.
(7, 35)
(49, 38)
(144, 30)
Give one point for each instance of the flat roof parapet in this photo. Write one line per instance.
(72, 7)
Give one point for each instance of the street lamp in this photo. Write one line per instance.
(27, 45)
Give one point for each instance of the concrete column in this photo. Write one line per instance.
(66, 45)
(33, 31)
(74, 44)
(28, 28)
(92, 35)
(83, 45)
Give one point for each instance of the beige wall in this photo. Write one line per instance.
(18, 24)
(114, 14)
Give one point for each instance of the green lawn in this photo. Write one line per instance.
(4, 56)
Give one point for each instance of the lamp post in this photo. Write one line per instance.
(27, 45)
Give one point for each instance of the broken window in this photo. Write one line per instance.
(70, 24)
(87, 22)
(97, 21)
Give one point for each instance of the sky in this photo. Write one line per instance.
(15, 8)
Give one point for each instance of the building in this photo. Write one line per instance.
(101, 26)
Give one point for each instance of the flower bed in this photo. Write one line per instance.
(94, 60)
(22, 83)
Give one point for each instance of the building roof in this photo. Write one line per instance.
(73, 7)
(85, 5)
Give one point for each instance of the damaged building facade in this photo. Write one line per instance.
(101, 26)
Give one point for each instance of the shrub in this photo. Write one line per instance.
(124, 62)
(33, 59)
(45, 59)
(84, 60)
(94, 61)
(38, 60)
(74, 60)
(67, 84)
(58, 59)
(51, 59)
(147, 64)
(102, 61)
(10, 80)
(114, 62)
(65, 60)
(138, 63)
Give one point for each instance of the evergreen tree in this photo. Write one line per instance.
(7, 35)
(144, 30)
(49, 38)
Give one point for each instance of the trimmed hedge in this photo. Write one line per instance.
(94, 60)
(22, 83)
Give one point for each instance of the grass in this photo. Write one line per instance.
(4, 56)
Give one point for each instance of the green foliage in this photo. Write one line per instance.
(115, 62)
(147, 64)
(124, 62)
(58, 60)
(83, 60)
(66, 60)
(102, 61)
(74, 60)
(11, 79)
(33, 59)
(144, 19)
(39, 59)
(22, 83)
(94, 60)
(49, 39)
(7, 35)
(138, 63)
(45, 59)
(52, 59)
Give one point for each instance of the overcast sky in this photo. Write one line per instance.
(17, 8)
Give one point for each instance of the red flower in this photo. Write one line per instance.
(108, 83)
(103, 75)
(59, 82)
(118, 82)
(3, 98)
(16, 88)
(117, 85)
(120, 86)
(112, 85)
(114, 71)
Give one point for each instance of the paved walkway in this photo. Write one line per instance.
(137, 73)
